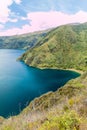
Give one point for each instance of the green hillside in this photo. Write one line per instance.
(63, 47)
(24, 41)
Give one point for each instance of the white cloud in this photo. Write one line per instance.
(45, 20)
(17, 1)
(12, 20)
(5, 11)
(1, 26)
(12, 31)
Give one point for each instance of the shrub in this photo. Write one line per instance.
(68, 121)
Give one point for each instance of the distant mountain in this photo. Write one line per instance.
(62, 47)
(24, 41)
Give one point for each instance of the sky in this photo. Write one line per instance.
(24, 16)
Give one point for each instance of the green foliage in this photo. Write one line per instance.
(25, 41)
(65, 109)
(67, 121)
(71, 101)
(63, 47)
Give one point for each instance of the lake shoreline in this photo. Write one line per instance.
(78, 71)
(24, 83)
(70, 69)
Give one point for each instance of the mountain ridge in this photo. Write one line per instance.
(23, 41)
(63, 47)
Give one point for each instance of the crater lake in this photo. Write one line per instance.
(19, 83)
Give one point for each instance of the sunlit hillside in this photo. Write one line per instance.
(63, 47)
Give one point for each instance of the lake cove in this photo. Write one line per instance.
(19, 83)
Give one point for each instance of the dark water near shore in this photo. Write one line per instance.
(19, 84)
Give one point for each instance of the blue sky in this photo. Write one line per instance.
(23, 16)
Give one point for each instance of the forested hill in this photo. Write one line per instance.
(62, 47)
(24, 41)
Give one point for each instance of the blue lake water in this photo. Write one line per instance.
(19, 83)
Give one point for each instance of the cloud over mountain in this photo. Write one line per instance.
(23, 16)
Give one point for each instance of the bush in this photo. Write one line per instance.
(68, 121)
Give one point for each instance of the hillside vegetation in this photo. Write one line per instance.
(25, 41)
(63, 47)
(66, 109)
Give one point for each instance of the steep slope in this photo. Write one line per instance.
(25, 41)
(63, 47)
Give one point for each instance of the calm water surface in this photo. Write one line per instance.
(19, 84)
